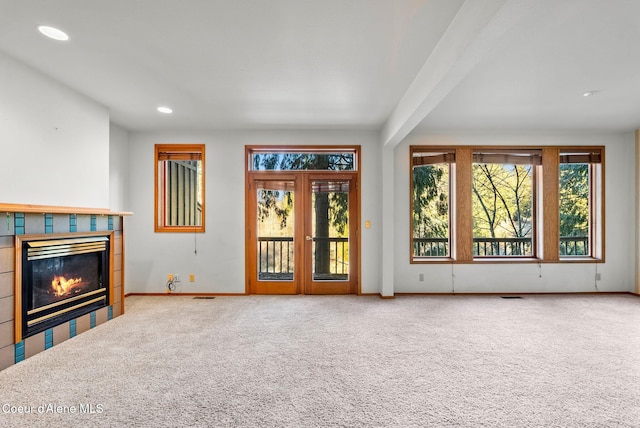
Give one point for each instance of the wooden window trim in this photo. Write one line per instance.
(463, 220)
(550, 204)
(165, 152)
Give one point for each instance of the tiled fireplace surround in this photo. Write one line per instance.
(34, 220)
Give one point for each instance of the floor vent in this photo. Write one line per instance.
(204, 297)
(511, 297)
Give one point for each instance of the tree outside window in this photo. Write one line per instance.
(577, 178)
(502, 203)
(507, 202)
(430, 214)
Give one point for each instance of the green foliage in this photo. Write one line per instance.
(431, 201)
(338, 203)
(502, 204)
(574, 200)
(275, 202)
(303, 161)
(339, 212)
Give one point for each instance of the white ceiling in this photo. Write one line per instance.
(346, 64)
(535, 75)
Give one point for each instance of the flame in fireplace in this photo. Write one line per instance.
(61, 285)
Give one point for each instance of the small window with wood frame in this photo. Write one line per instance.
(179, 187)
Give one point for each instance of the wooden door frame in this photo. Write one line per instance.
(356, 288)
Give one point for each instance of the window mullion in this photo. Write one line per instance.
(463, 219)
(550, 204)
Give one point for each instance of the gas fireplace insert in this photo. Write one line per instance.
(63, 279)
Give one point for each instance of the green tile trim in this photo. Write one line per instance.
(72, 329)
(19, 351)
(48, 223)
(19, 223)
(94, 223)
(73, 223)
(110, 313)
(92, 319)
(110, 222)
(48, 338)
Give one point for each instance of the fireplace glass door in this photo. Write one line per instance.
(63, 279)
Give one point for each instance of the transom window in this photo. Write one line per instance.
(314, 160)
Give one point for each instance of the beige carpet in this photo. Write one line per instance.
(302, 361)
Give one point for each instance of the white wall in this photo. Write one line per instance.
(617, 272)
(118, 168)
(62, 147)
(54, 142)
(219, 265)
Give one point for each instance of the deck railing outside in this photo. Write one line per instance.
(574, 246)
(502, 247)
(438, 247)
(276, 255)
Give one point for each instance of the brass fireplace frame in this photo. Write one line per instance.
(19, 242)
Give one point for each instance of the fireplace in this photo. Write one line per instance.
(63, 279)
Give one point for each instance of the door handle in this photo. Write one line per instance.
(308, 238)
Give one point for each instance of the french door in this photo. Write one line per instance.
(302, 233)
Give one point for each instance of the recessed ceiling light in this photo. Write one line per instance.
(53, 33)
(165, 110)
(589, 93)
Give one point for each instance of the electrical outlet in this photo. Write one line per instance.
(176, 278)
(598, 276)
(421, 277)
(192, 278)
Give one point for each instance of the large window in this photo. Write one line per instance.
(179, 184)
(503, 202)
(540, 204)
(430, 190)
